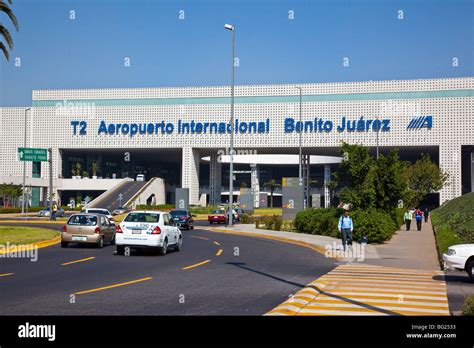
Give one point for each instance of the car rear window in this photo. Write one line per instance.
(98, 211)
(217, 212)
(85, 220)
(142, 217)
(178, 212)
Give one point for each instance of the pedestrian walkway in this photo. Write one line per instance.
(357, 289)
(409, 249)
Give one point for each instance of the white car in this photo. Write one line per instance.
(140, 177)
(102, 211)
(460, 257)
(148, 229)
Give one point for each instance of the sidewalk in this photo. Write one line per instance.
(410, 249)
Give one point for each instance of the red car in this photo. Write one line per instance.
(217, 216)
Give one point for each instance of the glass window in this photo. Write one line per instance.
(85, 220)
(142, 217)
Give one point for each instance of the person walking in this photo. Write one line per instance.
(408, 217)
(426, 214)
(418, 218)
(346, 226)
(54, 209)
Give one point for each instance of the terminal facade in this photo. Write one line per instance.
(166, 132)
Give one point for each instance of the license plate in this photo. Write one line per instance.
(79, 238)
(136, 231)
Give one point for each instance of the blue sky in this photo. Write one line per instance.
(89, 51)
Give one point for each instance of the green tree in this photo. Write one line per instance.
(424, 177)
(95, 168)
(272, 185)
(4, 33)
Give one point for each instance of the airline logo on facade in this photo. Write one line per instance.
(419, 122)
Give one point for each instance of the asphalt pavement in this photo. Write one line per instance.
(213, 274)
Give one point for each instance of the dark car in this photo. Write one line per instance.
(183, 219)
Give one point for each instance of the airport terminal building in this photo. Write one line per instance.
(167, 132)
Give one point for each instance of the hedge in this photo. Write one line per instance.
(376, 226)
(18, 210)
(468, 308)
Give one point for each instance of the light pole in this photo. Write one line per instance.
(231, 165)
(24, 167)
(301, 133)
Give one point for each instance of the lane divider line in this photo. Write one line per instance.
(77, 261)
(219, 252)
(199, 237)
(113, 286)
(216, 243)
(6, 274)
(197, 264)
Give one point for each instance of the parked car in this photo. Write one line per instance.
(140, 177)
(460, 257)
(217, 216)
(46, 212)
(183, 218)
(102, 211)
(148, 229)
(121, 210)
(88, 228)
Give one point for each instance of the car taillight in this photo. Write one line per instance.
(156, 230)
(97, 230)
(64, 228)
(118, 229)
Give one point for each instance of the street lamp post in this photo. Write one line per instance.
(231, 165)
(300, 174)
(24, 167)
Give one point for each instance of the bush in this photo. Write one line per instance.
(468, 305)
(247, 219)
(273, 222)
(278, 221)
(397, 215)
(18, 210)
(155, 207)
(318, 221)
(377, 226)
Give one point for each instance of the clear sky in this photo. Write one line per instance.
(90, 51)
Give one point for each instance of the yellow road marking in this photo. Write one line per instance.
(219, 252)
(216, 243)
(112, 286)
(197, 264)
(76, 261)
(199, 237)
(6, 274)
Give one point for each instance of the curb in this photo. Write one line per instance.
(317, 248)
(38, 245)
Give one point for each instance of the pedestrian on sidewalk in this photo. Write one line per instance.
(426, 214)
(418, 218)
(408, 217)
(54, 209)
(346, 226)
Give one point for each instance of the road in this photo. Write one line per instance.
(214, 274)
(128, 189)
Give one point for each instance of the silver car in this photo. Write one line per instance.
(47, 212)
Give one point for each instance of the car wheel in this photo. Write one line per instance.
(120, 250)
(100, 243)
(64, 244)
(178, 245)
(210, 222)
(162, 251)
(192, 227)
(470, 268)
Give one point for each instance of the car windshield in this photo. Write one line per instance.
(217, 212)
(142, 217)
(178, 212)
(86, 220)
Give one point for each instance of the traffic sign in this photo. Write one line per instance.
(33, 155)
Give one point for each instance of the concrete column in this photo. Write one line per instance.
(190, 173)
(450, 161)
(255, 184)
(215, 180)
(327, 178)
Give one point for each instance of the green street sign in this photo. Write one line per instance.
(33, 155)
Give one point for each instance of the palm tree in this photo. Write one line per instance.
(331, 186)
(3, 31)
(272, 185)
